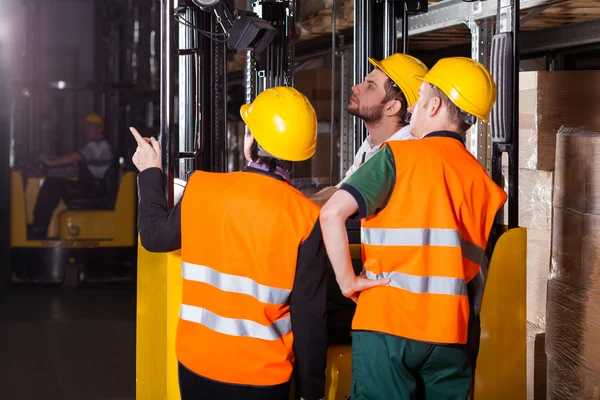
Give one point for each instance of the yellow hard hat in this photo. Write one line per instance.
(283, 122)
(402, 69)
(94, 119)
(467, 83)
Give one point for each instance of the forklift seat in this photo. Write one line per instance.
(106, 188)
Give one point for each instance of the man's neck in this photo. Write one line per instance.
(443, 126)
(382, 130)
(281, 172)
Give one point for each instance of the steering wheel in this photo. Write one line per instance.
(31, 167)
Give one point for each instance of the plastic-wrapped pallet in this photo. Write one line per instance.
(549, 100)
(535, 214)
(573, 307)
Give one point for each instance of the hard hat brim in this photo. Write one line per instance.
(375, 63)
(244, 112)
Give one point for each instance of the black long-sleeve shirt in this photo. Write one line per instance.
(160, 231)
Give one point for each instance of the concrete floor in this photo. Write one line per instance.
(68, 344)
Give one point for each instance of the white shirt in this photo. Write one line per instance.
(367, 150)
(97, 156)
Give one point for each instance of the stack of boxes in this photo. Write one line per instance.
(547, 102)
(573, 329)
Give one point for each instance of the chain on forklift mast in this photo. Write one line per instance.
(195, 35)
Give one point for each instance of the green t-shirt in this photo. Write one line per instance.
(372, 184)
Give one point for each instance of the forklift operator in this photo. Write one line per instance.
(94, 159)
(427, 209)
(382, 102)
(254, 284)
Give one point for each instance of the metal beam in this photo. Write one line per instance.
(347, 142)
(534, 13)
(480, 144)
(166, 97)
(562, 37)
(449, 13)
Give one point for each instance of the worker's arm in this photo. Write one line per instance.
(366, 191)
(308, 314)
(64, 160)
(159, 229)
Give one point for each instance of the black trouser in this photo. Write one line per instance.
(474, 338)
(195, 387)
(52, 191)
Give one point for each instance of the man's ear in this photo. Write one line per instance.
(435, 106)
(248, 146)
(393, 107)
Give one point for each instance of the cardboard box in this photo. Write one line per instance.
(535, 213)
(317, 168)
(573, 342)
(535, 199)
(573, 309)
(577, 183)
(576, 248)
(549, 100)
(538, 271)
(540, 364)
(536, 364)
(315, 84)
(321, 161)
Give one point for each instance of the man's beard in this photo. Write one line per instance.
(369, 115)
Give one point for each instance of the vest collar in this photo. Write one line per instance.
(446, 134)
(279, 173)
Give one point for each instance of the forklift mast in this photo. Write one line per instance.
(193, 106)
(504, 66)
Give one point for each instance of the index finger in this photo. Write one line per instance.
(138, 138)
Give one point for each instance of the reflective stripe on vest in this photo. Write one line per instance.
(235, 327)
(423, 284)
(234, 284)
(422, 237)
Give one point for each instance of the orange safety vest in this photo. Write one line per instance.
(430, 240)
(241, 233)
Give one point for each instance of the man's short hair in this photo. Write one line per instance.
(270, 162)
(393, 92)
(455, 114)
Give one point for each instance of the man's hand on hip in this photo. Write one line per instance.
(353, 285)
(147, 154)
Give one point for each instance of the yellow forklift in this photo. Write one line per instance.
(197, 139)
(89, 239)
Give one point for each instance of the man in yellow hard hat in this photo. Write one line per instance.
(427, 208)
(94, 158)
(254, 286)
(381, 101)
